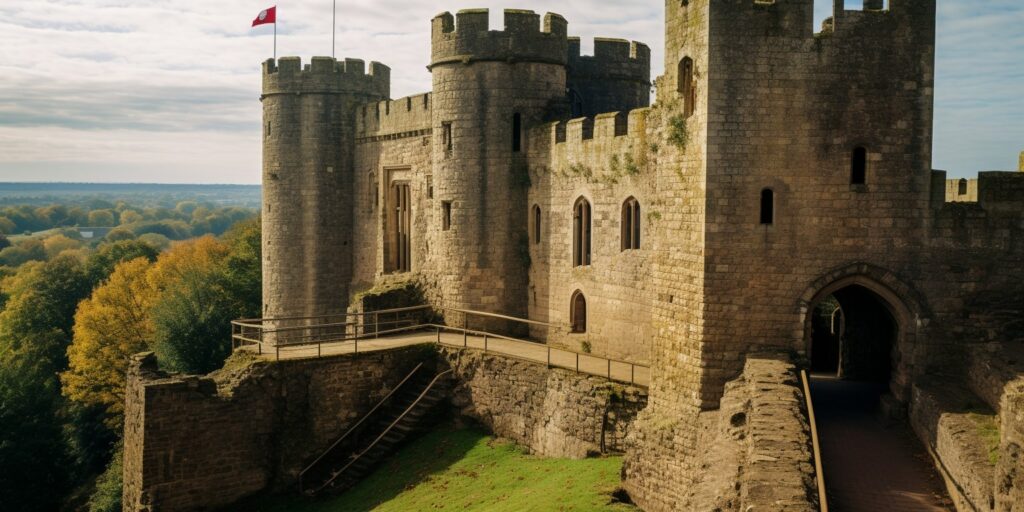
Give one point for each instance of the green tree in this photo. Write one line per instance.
(243, 269)
(192, 322)
(119, 234)
(33, 462)
(23, 252)
(102, 262)
(4, 242)
(7, 226)
(110, 326)
(101, 218)
(107, 497)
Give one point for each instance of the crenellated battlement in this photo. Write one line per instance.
(611, 50)
(389, 117)
(606, 126)
(288, 75)
(466, 38)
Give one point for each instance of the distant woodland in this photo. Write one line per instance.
(83, 286)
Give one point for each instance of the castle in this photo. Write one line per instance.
(782, 167)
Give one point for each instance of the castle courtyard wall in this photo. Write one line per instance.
(551, 412)
(604, 161)
(196, 443)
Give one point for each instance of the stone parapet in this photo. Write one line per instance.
(287, 75)
(465, 38)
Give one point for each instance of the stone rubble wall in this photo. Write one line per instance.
(551, 412)
(197, 443)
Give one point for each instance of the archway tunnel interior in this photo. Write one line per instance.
(853, 335)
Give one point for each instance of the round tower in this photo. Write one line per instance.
(308, 144)
(489, 86)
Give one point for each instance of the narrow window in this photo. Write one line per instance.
(581, 233)
(446, 215)
(962, 187)
(268, 128)
(517, 133)
(767, 206)
(859, 166)
(578, 312)
(536, 224)
(630, 224)
(430, 187)
(446, 138)
(372, 191)
(408, 104)
(685, 86)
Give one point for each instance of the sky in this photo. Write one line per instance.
(167, 91)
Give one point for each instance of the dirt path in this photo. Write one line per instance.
(869, 466)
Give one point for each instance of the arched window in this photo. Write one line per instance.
(685, 86)
(578, 312)
(630, 224)
(581, 233)
(767, 206)
(961, 189)
(859, 166)
(536, 224)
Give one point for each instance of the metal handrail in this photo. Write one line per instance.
(496, 315)
(384, 433)
(354, 427)
(465, 331)
(822, 495)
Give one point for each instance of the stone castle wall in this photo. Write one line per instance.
(602, 160)
(196, 443)
(551, 412)
(203, 442)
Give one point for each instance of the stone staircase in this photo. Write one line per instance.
(404, 412)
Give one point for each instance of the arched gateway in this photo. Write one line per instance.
(863, 323)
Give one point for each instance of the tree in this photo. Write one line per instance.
(57, 244)
(41, 299)
(192, 322)
(7, 226)
(101, 263)
(243, 268)
(118, 234)
(23, 252)
(101, 218)
(110, 326)
(4, 242)
(130, 216)
(33, 462)
(107, 497)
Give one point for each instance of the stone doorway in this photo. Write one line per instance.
(853, 335)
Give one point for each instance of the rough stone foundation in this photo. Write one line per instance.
(203, 442)
(552, 412)
(753, 453)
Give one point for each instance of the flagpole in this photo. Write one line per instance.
(275, 38)
(334, 25)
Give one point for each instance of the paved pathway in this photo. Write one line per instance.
(869, 466)
(535, 352)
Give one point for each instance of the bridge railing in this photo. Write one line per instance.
(819, 472)
(284, 335)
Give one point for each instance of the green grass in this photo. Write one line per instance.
(988, 430)
(465, 469)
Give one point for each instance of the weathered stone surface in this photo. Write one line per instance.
(202, 442)
(552, 412)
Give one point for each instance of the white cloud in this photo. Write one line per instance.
(167, 90)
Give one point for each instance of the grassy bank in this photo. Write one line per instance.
(465, 469)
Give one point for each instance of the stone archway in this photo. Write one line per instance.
(881, 313)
